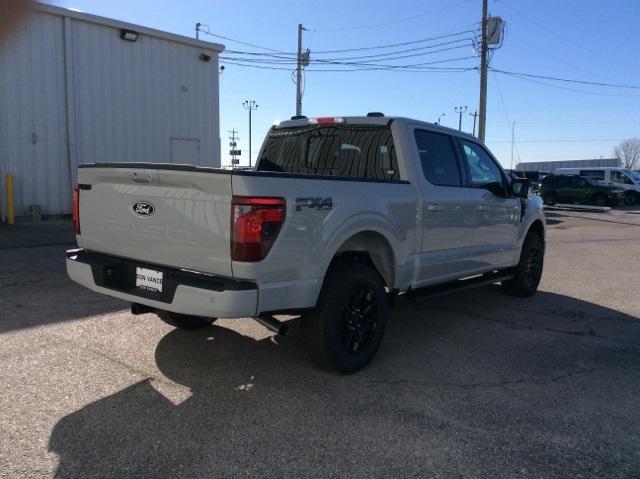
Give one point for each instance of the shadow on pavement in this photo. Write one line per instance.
(478, 384)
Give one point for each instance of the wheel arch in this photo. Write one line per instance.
(537, 227)
(370, 247)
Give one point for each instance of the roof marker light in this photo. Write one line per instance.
(325, 120)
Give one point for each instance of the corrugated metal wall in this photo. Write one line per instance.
(71, 92)
(33, 127)
(551, 166)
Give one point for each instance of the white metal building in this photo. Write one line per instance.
(551, 166)
(77, 88)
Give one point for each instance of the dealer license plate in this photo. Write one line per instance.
(149, 279)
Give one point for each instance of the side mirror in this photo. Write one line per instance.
(520, 187)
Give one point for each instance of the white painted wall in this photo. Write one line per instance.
(72, 92)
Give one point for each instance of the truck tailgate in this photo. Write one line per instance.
(166, 215)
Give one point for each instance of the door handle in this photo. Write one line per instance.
(483, 208)
(436, 208)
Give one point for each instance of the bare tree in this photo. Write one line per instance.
(628, 152)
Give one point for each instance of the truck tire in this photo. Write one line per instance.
(549, 199)
(185, 321)
(528, 272)
(346, 328)
(630, 198)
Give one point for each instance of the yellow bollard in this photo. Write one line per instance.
(11, 212)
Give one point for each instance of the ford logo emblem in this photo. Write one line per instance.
(142, 208)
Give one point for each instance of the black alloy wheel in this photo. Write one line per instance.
(359, 320)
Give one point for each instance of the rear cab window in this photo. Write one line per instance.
(351, 151)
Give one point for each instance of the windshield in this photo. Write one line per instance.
(634, 175)
(353, 151)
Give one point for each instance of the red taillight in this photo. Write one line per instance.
(255, 224)
(326, 120)
(76, 209)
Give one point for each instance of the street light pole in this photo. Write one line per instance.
(460, 110)
(441, 115)
(475, 116)
(251, 106)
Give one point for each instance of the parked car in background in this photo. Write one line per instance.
(578, 189)
(621, 178)
(535, 177)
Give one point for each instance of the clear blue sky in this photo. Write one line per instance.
(589, 40)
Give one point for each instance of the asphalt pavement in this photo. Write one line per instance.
(477, 384)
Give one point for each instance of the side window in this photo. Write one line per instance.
(578, 182)
(482, 169)
(597, 175)
(438, 158)
(619, 177)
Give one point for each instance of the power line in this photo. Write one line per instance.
(553, 32)
(506, 114)
(567, 80)
(392, 22)
(400, 44)
(586, 92)
(280, 61)
(322, 52)
(388, 55)
(401, 68)
(242, 43)
(547, 54)
(284, 62)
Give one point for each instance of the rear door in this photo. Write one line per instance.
(498, 212)
(448, 213)
(578, 190)
(173, 216)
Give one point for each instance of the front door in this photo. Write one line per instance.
(499, 213)
(579, 191)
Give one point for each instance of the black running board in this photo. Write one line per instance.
(430, 292)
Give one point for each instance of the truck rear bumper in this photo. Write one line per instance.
(183, 292)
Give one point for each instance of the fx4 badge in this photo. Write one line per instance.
(317, 203)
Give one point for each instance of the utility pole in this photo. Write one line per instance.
(474, 115)
(513, 137)
(299, 73)
(233, 143)
(483, 73)
(251, 106)
(460, 110)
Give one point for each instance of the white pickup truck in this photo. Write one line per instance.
(339, 216)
